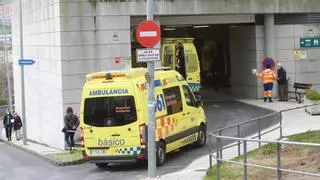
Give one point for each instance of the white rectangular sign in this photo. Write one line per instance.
(148, 33)
(148, 55)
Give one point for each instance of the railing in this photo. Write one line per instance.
(217, 135)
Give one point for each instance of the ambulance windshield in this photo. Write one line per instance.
(110, 111)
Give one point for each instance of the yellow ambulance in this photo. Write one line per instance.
(113, 117)
(175, 51)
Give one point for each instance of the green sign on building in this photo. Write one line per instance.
(310, 42)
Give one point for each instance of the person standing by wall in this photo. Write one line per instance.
(71, 123)
(268, 77)
(282, 83)
(17, 124)
(180, 61)
(7, 123)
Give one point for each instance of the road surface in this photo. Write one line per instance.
(17, 165)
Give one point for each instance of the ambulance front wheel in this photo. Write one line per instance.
(202, 136)
(102, 165)
(161, 153)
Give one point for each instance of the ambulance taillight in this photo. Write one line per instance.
(143, 134)
(81, 137)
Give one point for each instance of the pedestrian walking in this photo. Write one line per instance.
(17, 124)
(71, 123)
(282, 83)
(268, 77)
(7, 123)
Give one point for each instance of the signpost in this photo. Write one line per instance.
(313, 42)
(23, 111)
(148, 55)
(268, 61)
(148, 35)
(23, 62)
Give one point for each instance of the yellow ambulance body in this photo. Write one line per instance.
(113, 116)
(192, 64)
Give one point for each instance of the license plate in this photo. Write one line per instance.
(98, 151)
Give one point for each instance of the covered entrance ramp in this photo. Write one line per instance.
(227, 48)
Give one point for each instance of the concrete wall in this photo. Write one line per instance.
(287, 41)
(90, 41)
(243, 59)
(187, 7)
(43, 84)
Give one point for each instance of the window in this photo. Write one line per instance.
(192, 63)
(190, 100)
(110, 111)
(168, 57)
(173, 100)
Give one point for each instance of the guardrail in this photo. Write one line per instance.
(217, 135)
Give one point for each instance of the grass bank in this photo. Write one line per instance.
(293, 157)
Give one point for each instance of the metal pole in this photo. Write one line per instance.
(218, 158)
(281, 125)
(210, 159)
(259, 132)
(279, 161)
(238, 130)
(245, 168)
(152, 161)
(221, 147)
(23, 112)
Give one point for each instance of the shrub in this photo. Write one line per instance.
(313, 95)
(3, 102)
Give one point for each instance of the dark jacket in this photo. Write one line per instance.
(71, 123)
(282, 75)
(17, 123)
(7, 120)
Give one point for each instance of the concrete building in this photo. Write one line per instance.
(70, 38)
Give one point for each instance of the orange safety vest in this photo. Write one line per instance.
(267, 75)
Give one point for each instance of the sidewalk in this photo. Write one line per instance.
(40, 150)
(294, 122)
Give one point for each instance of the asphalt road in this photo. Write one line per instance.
(17, 165)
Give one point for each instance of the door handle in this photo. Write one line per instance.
(115, 135)
(188, 113)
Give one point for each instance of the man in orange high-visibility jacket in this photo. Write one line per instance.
(268, 77)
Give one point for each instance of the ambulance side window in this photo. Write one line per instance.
(173, 100)
(190, 100)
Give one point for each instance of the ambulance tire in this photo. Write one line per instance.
(102, 165)
(161, 153)
(202, 137)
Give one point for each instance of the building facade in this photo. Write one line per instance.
(70, 38)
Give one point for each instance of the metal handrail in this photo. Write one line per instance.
(244, 141)
(245, 122)
(267, 141)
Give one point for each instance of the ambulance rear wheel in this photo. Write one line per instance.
(161, 153)
(202, 137)
(102, 165)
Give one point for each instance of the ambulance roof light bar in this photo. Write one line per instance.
(177, 40)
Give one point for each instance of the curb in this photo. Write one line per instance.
(69, 163)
